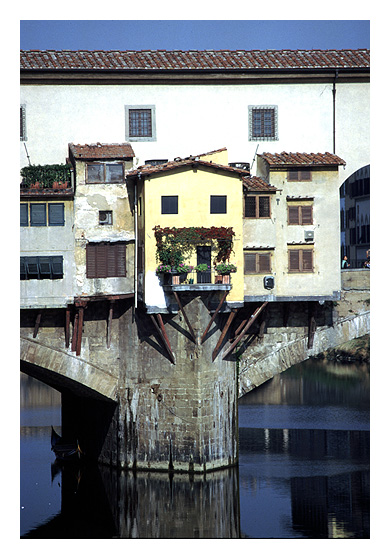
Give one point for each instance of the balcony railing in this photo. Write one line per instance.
(197, 281)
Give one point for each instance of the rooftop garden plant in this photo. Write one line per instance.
(45, 175)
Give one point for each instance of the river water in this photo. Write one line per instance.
(303, 470)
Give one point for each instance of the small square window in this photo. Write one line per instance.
(140, 123)
(256, 206)
(218, 204)
(105, 217)
(257, 263)
(169, 204)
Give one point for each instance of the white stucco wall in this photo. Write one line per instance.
(193, 119)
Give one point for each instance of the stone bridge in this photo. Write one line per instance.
(151, 394)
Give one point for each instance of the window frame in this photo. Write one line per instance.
(301, 220)
(132, 138)
(104, 164)
(216, 199)
(23, 123)
(24, 219)
(34, 266)
(259, 270)
(263, 137)
(51, 219)
(169, 198)
(257, 206)
(300, 252)
(106, 260)
(300, 174)
(33, 218)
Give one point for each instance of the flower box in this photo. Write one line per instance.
(226, 278)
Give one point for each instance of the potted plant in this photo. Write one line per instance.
(203, 273)
(183, 270)
(224, 270)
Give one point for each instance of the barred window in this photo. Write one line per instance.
(300, 260)
(140, 122)
(257, 263)
(263, 122)
(256, 206)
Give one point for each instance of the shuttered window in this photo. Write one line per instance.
(56, 214)
(41, 267)
(218, 204)
(257, 263)
(37, 215)
(256, 206)
(169, 204)
(23, 215)
(298, 175)
(300, 215)
(300, 260)
(106, 260)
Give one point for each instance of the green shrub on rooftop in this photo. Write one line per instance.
(45, 175)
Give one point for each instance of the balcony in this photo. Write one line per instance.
(196, 281)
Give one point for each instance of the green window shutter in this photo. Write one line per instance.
(23, 215)
(37, 215)
(57, 266)
(32, 265)
(56, 214)
(44, 265)
(23, 268)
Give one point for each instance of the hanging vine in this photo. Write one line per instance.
(176, 244)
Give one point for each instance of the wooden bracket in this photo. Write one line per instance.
(163, 335)
(67, 326)
(185, 316)
(214, 315)
(109, 323)
(312, 326)
(37, 323)
(223, 333)
(249, 323)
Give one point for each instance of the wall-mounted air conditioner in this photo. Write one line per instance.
(309, 235)
(105, 218)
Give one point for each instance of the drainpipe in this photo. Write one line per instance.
(136, 241)
(334, 111)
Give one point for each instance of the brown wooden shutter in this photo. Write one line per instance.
(307, 260)
(293, 215)
(292, 175)
(91, 261)
(305, 175)
(264, 263)
(250, 263)
(293, 260)
(101, 261)
(121, 261)
(306, 215)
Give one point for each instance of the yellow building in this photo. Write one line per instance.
(197, 193)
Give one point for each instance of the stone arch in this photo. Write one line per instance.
(64, 371)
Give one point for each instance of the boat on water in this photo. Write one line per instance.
(64, 450)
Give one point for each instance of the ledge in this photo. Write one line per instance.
(199, 287)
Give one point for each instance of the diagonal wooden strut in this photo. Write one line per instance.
(109, 323)
(223, 333)
(254, 316)
(185, 316)
(37, 323)
(214, 315)
(163, 335)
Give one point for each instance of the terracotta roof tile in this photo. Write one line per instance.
(146, 170)
(101, 151)
(284, 158)
(131, 60)
(258, 184)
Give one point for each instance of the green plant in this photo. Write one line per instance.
(184, 268)
(202, 268)
(45, 175)
(225, 268)
(163, 269)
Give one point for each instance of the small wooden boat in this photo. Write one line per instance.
(63, 450)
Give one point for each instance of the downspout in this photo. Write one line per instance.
(136, 242)
(334, 110)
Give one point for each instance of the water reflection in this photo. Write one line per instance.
(303, 472)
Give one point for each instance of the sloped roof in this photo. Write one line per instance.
(258, 184)
(146, 170)
(284, 158)
(149, 60)
(101, 151)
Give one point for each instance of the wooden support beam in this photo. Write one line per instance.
(242, 324)
(37, 323)
(75, 330)
(312, 326)
(286, 312)
(223, 333)
(163, 335)
(109, 323)
(185, 316)
(79, 330)
(214, 315)
(261, 331)
(67, 326)
(254, 316)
